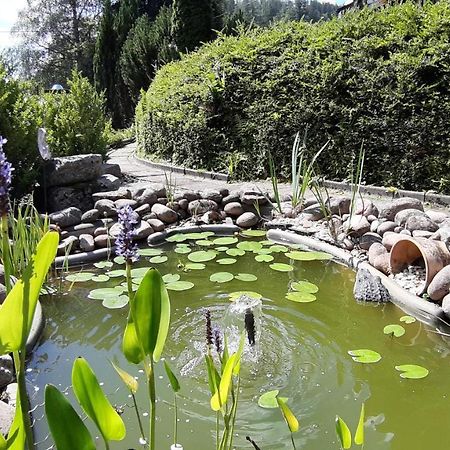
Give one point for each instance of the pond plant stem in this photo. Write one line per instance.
(141, 428)
(152, 396)
(293, 442)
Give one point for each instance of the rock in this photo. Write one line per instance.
(368, 239)
(173, 205)
(87, 243)
(150, 216)
(423, 223)
(233, 209)
(112, 195)
(212, 195)
(190, 196)
(252, 198)
(69, 170)
(371, 218)
(183, 204)
(402, 216)
(399, 204)
(211, 217)
(2, 293)
(162, 200)
(90, 216)
(111, 169)
(159, 189)
(148, 196)
(79, 196)
(11, 394)
(247, 220)
(68, 245)
(103, 241)
(374, 225)
(6, 417)
(440, 284)
(66, 217)
(164, 213)
(443, 234)
(339, 205)
(347, 244)
(366, 208)
(357, 225)
(386, 226)
(369, 288)
(422, 233)
(6, 370)
(390, 238)
(406, 232)
(231, 198)
(106, 208)
(100, 230)
(121, 203)
(199, 207)
(376, 250)
(445, 223)
(78, 230)
(446, 305)
(438, 216)
(143, 209)
(313, 212)
(398, 229)
(143, 230)
(156, 224)
(107, 182)
(382, 263)
(224, 192)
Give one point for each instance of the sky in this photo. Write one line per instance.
(9, 10)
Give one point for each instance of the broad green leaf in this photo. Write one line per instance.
(246, 277)
(268, 400)
(80, 277)
(264, 258)
(343, 433)
(249, 246)
(234, 295)
(364, 356)
(280, 267)
(183, 250)
(201, 235)
(149, 251)
(17, 436)
(94, 402)
(253, 233)
(235, 252)
(151, 312)
(277, 248)
(202, 256)
(301, 297)
(17, 311)
(227, 240)
(308, 256)
(102, 278)
(394, 329)
(3, 443)
(129, 381)
(305, 286)
(412, 371)
(237, 364)
(115, 302)
(158, 259)
(119, 260)
(171, 277)
(131, 346)
(172, 378)
(288, 415)
(103, 264)
(180, 237)
(204, 243)
(68, 430)
(194, 266)
(116, 273)
(221, 395)
(139, 272)
(221, 277)
(226, 261)
(213, 375)
(359, 434)
(180, 285)
(407, 319)
(104, 293)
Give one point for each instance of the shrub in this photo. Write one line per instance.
(378, 76)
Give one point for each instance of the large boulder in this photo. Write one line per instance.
(66, 217)
(164, 213)
(423, 223)
(440, 285)
(79, 196)
(112, 195)
(389, 212)
(402, 216)
(200, 207)
(69, 170)
(111, 169)
(107, 182)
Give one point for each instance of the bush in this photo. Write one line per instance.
(374, 76)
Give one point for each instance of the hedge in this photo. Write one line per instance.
(377, 76)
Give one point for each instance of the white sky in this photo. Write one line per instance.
(9, 10)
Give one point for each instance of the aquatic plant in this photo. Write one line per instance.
(125, 246)
(344, 434)
(5, 180)
(175, 385)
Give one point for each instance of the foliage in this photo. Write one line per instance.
(117, 138)
(373, 74)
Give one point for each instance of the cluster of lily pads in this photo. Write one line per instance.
(367, 356)
(223, 250)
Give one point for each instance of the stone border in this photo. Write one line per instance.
(37, 327)
(77, 259)
(427, 312)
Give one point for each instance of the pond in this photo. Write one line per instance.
(302, 350)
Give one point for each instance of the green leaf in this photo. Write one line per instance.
(202, 256)
(80, 277)
(343, 433)
(305, 286)
(228, 240)
(364, 356)
(183, 250)
(179, 285)
(131, 346)
(17, 436)
(115, 302)
(254, 233)
(204, 243)
(100, 278)
(94, 402)
(359, 434)
(394, 329)
(407, 319)
(277, 248)
(103, 264)
(234, 295)
(412, 371)
(17, 311)
(235, 252)
(104, 293)
(308, 256)
(226, 261)
(269, 399)
(172, 378)
(246, 277)
(249, 246)
(129, 381)
(301, 297)
(264, 258)
(213, 375)
(119, 260)
(158, 259)
(116, 273)
(221, 395)
(67, 428)
(149, 251)
(180, 237)
(171, 277)
(221, 277)
(194, 266)
(288, 415)
(280, 267)
(151, 312)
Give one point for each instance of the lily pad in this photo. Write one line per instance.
(246, 277)
(394, 329)
(103, 293)
(103, 264)
(226, 240)
(254, 233)
(305, 286)
(235, 252)
(115, 302)
(277, 248)
(202, 256)
(407, 319)
(102, 278)
(119, 260)
(139, 272)
(222, 249)
(266, 242)
(364, 356)
(269, 399)
(221, 277)
(116, 273)
(412, 371)
(301, 297)
(194, 266)
(80, 277)
(171, 277)
(264, 258)
(280, 267)
(183, 250)
(200, 235)
(158, 259)
(226, 261)
(204, 243)
(180, 285)
(264, 251)
(149, 251)
(308, 256)
(179, 237)
(234, 295)
(249, 246)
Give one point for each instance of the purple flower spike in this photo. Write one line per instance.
(124, 242)
(5, 180)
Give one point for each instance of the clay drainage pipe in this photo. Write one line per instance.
(408, 250)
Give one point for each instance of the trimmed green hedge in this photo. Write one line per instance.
(378, 76)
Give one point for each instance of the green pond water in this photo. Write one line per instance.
(302, 351)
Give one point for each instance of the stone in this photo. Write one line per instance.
(224, 191)
(406, 232)
(313, 212)
(112, 195)
(402, 216)
(398, 205)
(100, 230)
(106, 208)
(445, 223)
(147, 196)
(386, 226)
(421, 233)
(369, 288)
(122, 202)
(87, 243)
(233, 209)
(383, 264)
(68, 245)
(374, 225)
(2, 293)
(68, 170)
(111, 169)
(398, 229)
(376, 250)
(368, 239)
(149, 216)
(173, 205)
(423, 223)
(357, 225)
(211, 217)
(366, 208)
(11, 394)
(6, 370)
(347, 244)
(143, 230)
(339, 205)
(390, 238)
(78, 230)
(371, 218)
(156, 224)
(90, 216)
(443, 234)
(212, 195)
(104, 241)
(66, 217)
(183, 203)
(6, 417)
(247, 220)
(143, 209)
(446, 305)
(164, 213)
(190, 196)
(64, 197)
(252, 198)
(440, 284)
(199, 207)
(107, 182)
(162, 200)
(159, 189)
(438, 216)
(231, 198)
